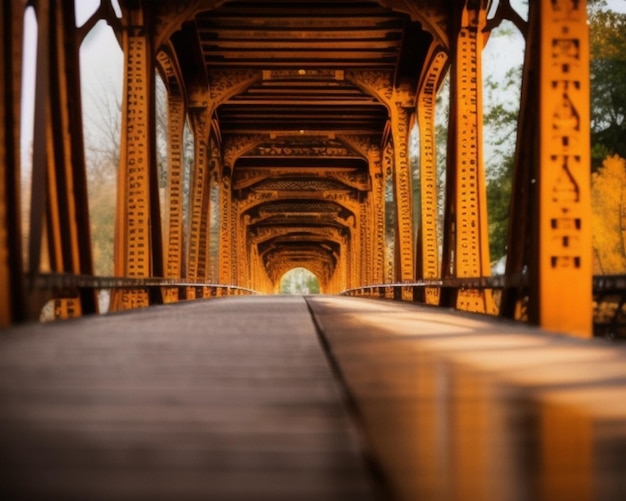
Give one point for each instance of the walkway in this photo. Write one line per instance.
(234, 398)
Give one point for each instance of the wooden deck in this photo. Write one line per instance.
(282, 397)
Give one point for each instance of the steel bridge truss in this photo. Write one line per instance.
(300, 116)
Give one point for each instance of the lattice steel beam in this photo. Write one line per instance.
(550, 233)
(466, 244)
(138, 229)
(12, 300)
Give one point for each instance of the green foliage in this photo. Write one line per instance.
(299, 281)
(500, 125)
(608, 84)
(498, 202)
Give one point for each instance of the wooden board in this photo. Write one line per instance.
(472, 408)
(228, 398)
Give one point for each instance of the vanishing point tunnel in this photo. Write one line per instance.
(299, 115)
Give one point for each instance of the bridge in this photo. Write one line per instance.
(201, 381)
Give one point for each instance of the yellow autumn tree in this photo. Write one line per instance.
(608, 199)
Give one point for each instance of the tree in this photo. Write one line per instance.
(608, 111)
(608, 199)
(500, 124)
(608, 83)
(299, 281)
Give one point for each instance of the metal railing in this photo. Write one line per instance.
(609, 296)
(59, 296)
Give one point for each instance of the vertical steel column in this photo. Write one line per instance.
(226, 232)
(427, 248)
(175, 209)
(59, 189)
(390, 237)
(399, 103)
(377, 217)
(174, 258)
(174, 205)
(138, 246)
(564, 215)
(200, 196)
(351, 250)
(552, 171)
(365, 251)
(466, 244)
(235, 247)
(373, 212)
(403, 194)
(12, 300)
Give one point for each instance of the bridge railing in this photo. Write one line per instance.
(61, 296)
(609, 297)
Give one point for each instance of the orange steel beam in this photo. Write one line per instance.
(138, 246)
(372, 215)
(377, 217)
(398, 101)
(564, 215)
(175, 209)
(200, 195)
(59, 187)
(12, 299)
(175, 228)
(552, 168)
(466, 245)
(403, 194)
(427, 248)
(226, 230)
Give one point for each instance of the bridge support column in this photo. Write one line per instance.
(59, 207)
(427, 247)
(399, 102)
(175, 228)
(466, 239)
(372, 209)
(12, 300)
(376, 202)
(200, 195)
(550, 229)
(138, 243)
(226, 232)
(403, 194)
(365, 250)
(242, 268)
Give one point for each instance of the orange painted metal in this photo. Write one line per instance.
(563, 225)
(427, 249)
(550, 229)
(466, 244)
(12, 298)
(59, 216)
(320, 135)
(137, 231)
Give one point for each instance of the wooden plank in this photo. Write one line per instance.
(229, 398)
(466, 408)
